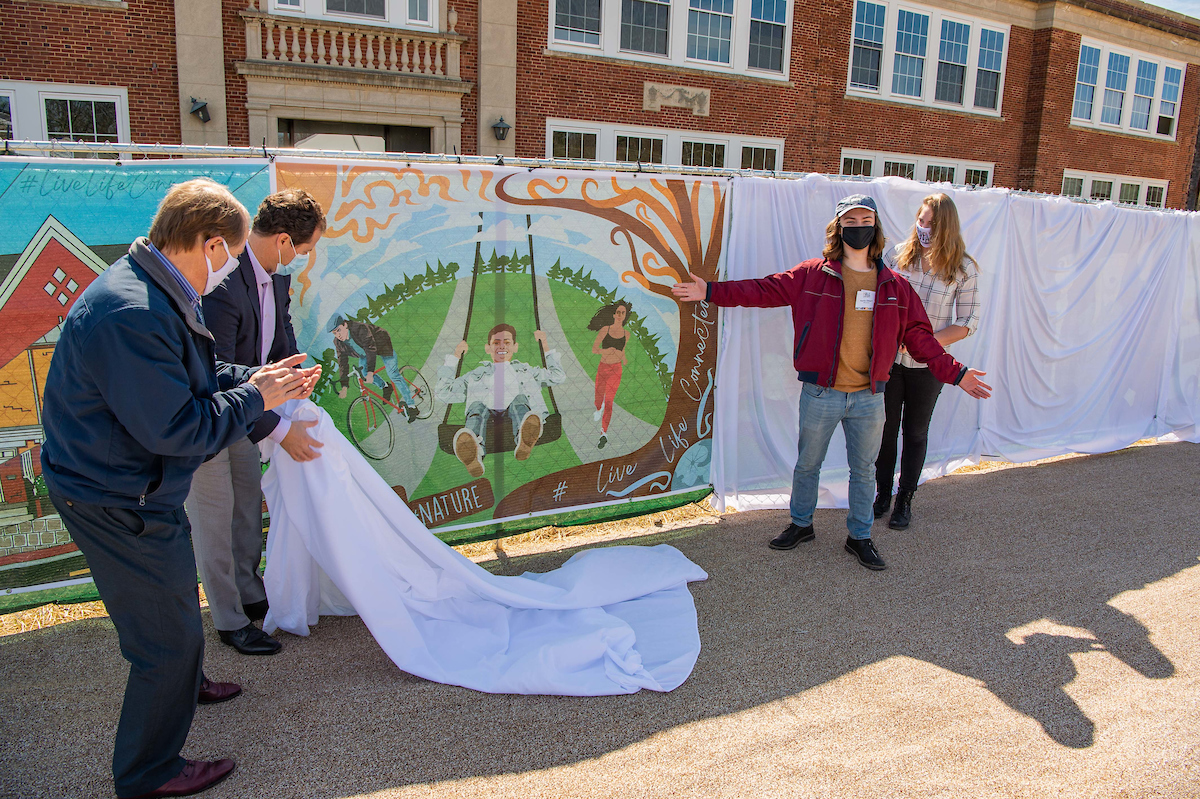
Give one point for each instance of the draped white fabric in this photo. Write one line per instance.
(611, 620)
(1090, 331)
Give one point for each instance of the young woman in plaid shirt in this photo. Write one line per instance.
(934, 259)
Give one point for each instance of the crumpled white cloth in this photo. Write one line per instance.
(611, 620)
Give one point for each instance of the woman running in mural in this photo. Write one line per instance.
(610, 346)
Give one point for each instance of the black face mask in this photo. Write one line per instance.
(858, 238)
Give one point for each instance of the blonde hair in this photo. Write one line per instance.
(947, 252)
(194, 212)
(833, 241)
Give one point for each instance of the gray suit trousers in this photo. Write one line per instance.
(225, 509)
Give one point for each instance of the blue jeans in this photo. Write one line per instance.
(861, 416)
(480, 415)
(389, 363)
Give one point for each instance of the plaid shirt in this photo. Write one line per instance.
(946, 304)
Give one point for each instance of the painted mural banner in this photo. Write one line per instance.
(66, 220)
(502, 344)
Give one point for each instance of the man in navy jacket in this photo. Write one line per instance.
(249, 317)
(134, 403)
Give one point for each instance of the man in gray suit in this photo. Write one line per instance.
(249, 317)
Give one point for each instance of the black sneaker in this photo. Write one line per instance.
(387, 392)
(902, 513)
(412, 414)
(792, 536)
(883, 503)
(864, 550)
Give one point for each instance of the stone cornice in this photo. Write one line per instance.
(313, 73)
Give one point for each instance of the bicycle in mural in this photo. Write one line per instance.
(368, 419)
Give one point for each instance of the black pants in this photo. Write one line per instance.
(144, 570)
(908, 403)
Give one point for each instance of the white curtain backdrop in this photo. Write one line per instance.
(1090, 331)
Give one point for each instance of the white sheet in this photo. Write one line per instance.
(1090, 331)
(611, 620)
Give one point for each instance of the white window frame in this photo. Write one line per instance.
(932, 50)
(12, 110)
(1117, 180)
(28, 105)
(677, 36)
(606, 141)
(396, 14)
(922, 162)
(1127, 109)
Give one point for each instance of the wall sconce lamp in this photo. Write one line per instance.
(501, 129)
(200, 109)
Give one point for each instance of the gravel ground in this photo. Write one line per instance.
(1034, 636)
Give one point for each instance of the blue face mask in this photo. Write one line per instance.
(293, 266)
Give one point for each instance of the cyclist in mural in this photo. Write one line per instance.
(348, 336)
(610, 346)
(498, 388)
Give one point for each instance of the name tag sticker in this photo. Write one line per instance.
(864, 300)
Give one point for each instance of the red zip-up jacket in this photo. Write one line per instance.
(814, 290)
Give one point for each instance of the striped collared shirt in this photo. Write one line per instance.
(188, 291)
(946, 304)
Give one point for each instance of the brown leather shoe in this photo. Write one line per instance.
(213, 692)
(197, 776)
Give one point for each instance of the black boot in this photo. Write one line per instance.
(883, 503)
(902, 513)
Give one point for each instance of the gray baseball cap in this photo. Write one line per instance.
(855, 201)
(338, 321)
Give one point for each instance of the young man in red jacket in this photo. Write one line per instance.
(851, 314)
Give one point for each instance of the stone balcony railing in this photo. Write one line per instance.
(370, 49)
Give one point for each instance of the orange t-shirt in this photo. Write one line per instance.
(854, 355)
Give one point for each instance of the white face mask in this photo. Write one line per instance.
(293, 266)
(215, 277)
(924, 235)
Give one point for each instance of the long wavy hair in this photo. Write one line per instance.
(608, 314)
(947, 252)
(834, 249)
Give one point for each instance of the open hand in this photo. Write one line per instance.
(974, 386)
(299, 444)
(283, 380)
(695, 291)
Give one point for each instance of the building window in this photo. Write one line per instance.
(991, 60)
(1114, 89)
(644, 26)
(6, 125)
(912, 34)
(900, 169)
(952, 62)
(976, 177)
(1072, 187)
(572, 144)
(767, 21)
(697, 153)
(644, 150)
(1154, 196)
(758, 158)
(937, 173)
(288, 3)
(1143, 95)
(1154, 104)
(81, 120)
(418, 10)
(1129, 193)
(710, 25)
(1101, 190)
(366, 8)
(1170, 96)
(857, 166)
(577, 21)
(867, 55)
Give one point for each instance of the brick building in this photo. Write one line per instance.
(1095, 98)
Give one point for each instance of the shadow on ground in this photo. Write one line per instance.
(1001, 578)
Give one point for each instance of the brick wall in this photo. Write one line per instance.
(468, 25)
(35, 534)
(53, 43)
(235, 85)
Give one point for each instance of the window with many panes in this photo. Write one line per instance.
(1118, 188)
(646, 150)
(418, 13)
(758, 158)
(857, 166)
(939, 173)
(644, 26)
(366, 8)
(574, 144)
(697, 153)
(741, 36)
(81, 119)
(900, 169)
(976, 177)
(1125, 90)
(923, 55)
